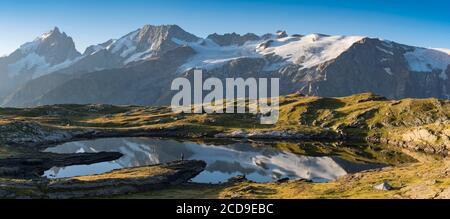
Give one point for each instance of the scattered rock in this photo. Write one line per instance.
(237, 179)
(372, 97)
(210, 120)
(265, 44)
(444, 194)
(283, 180)
(385, 186)
(431, 182)
(236, 196)
(281, 34)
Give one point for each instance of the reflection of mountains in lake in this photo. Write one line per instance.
(260, 164)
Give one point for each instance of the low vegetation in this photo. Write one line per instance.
(419, 125)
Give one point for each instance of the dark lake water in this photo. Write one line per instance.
(260, 164)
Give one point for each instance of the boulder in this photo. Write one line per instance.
(385, 186)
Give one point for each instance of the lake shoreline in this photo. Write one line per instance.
(418, 125)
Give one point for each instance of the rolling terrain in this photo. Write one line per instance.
(417, 127)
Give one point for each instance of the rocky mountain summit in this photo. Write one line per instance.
(143, 43)
(48, 53)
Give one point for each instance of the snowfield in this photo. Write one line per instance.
(210, 55)
(428, 60)
(308, 51)
(38, 65)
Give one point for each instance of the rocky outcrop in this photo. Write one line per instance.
(281, 34)
(385, 186)
(423, 139)
(32, 134)
(232, 38)
(48, 53)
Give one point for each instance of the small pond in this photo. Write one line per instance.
(260, 164)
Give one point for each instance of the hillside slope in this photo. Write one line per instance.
(418, 124)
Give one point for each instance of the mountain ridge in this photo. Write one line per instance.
(312, 64)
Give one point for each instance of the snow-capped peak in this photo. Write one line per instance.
(50, 33)
(49, 52)
(32, 46)
(148, 41)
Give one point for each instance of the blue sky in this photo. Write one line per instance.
(421, 23)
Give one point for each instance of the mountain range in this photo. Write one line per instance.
(138, 68)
